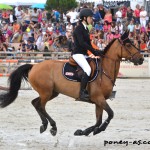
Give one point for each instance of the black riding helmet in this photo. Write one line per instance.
(86, 12)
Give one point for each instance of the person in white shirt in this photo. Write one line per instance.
(50, 27)
(11, 18)
(143, 15)
(73, 15)
(69, 30)
(19, 14)
(119, 15)
(34, 16)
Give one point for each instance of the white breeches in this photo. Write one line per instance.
(82, 62)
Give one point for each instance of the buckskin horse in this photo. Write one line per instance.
(47, 79)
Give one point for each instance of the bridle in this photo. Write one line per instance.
(123, 45)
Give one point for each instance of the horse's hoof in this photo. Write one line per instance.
(42, 128)
(53, 131)
(78, 133)
(96, 131)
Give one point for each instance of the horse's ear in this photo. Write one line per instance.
(125, 35)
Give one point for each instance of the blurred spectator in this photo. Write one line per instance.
(29, 46)
(117, 34)
(143, 46)
(98, 26)
(106, 27)
(40, 16)
(5, 16)
(129, 14)
(148, 29)
(73, 15)
(22, 46)
(113, 27)
(34, 16)
(96, 16)
(27, 16)
(39, 41)
(118, 15)
(2, 37)
(131, 27)
(44, 15)
(119, 27)
(108, 16)
(24, 26)
(101, 10)
(137, 28)
(9, 32)
(109, 36)
(56, 16)
(124, 12)
(137, 13)
(11, 17)
(5, 26)
(101, 45)
(143, 15)
(19, 14)
(16, 31)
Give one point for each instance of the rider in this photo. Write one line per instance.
(82, 44)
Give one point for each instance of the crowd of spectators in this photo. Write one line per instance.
(40, 30)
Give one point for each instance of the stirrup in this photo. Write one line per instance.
(84, 97)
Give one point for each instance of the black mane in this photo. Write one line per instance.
(108, 46)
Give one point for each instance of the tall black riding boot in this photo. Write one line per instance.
(84, 96)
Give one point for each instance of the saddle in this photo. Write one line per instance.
(72, 71)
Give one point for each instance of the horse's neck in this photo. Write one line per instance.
(111, 62)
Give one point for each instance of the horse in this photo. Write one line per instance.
(47, 79)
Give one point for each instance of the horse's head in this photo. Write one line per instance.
(129, 51)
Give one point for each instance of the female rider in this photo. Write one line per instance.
(82, 44)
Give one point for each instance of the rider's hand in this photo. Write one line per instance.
(98, 53)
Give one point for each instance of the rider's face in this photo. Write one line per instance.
(90, 20)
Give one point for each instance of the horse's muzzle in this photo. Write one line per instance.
(138, 61)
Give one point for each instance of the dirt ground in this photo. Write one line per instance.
(19, 122)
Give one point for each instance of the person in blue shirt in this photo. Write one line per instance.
(57, 15)
(131, 27)
(96, 16)
(98, 26)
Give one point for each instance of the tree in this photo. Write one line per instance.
(60, 5)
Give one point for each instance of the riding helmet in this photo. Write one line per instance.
(86, 12)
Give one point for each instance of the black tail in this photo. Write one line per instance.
(15, 80)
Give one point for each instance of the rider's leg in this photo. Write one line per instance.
(82, 62)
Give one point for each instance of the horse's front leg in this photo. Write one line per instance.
(99, 113)
(104, 125)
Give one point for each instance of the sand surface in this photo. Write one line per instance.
(20, 123)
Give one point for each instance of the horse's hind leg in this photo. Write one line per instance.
(40, 107)
(36, 104)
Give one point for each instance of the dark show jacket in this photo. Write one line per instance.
(82, 42)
